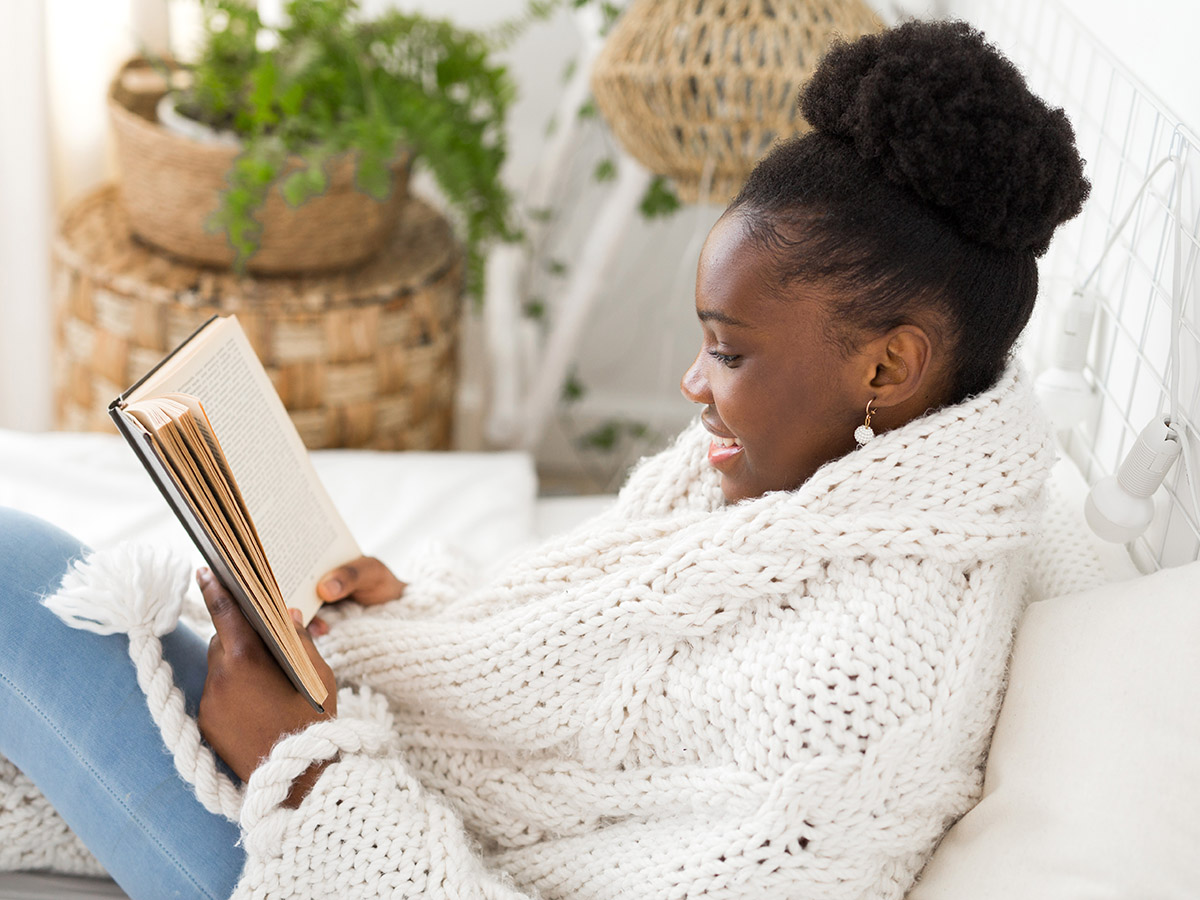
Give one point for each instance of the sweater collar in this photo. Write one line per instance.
(976, 458)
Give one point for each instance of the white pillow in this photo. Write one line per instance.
(1092, 787)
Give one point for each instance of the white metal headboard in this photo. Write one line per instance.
(1123, 132)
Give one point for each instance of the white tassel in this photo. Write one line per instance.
(121, 591)
(139, 591)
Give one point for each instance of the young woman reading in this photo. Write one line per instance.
(770, 671)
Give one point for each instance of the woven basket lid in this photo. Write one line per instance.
(697, 86)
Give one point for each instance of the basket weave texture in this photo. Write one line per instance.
(171, 184)
(699, 89)
(366, 358)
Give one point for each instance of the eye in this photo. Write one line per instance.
(725, 359)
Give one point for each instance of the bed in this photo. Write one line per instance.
(1092, 782)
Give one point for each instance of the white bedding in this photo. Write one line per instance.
(94, 487)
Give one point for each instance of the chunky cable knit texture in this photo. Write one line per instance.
(789, 697)
(32, 835)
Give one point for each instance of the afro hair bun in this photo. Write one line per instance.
(944, 113)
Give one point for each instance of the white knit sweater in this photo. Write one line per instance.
(788, 697)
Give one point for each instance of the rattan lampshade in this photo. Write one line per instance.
(695, 85)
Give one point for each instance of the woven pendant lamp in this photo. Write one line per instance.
(692, 87)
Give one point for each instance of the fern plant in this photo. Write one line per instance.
(329, 80)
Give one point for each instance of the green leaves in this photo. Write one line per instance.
(534, 308)
(329, 80)
(251, 177)
(605, 437)
(659, 200)
(306, 183)
(262, 100)
(606, 170)
(573, 389)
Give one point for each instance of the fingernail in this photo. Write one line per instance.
(203, 575)
(318, 627)
(332, 586)
(297, 616)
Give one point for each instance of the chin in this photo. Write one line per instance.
(734, 492)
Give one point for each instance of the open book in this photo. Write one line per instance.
(215, 437)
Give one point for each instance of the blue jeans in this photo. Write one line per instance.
(73, 719)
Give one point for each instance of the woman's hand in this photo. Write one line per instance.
(365, 580)
(248, 702)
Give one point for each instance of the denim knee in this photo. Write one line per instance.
(34, 555)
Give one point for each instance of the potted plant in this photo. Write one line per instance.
(327, 107)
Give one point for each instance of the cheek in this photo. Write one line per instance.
(791, 419)
(760, 417)
(737, 398)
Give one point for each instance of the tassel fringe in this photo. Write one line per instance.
(139, 591)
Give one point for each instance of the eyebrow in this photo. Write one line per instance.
(711, 315)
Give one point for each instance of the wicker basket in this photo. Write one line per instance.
(366, 358)
(170, 185)
(692, 87)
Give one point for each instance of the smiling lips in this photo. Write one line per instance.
(723, 448)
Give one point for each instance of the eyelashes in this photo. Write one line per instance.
(725, 359)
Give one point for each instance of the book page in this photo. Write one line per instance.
(300, 529)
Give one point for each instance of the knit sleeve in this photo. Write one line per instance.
(367, 829)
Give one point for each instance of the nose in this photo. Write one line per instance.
(694, 384)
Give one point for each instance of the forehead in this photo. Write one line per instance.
(729, 249)
(737, 284)
(736, 272)
(733, 266)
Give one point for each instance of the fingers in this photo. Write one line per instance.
(318, 627)
(365, 579)
(232, 627)
(338, 584)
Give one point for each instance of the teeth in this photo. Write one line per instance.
(727, 442)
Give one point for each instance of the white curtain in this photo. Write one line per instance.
(56, 59)
(25, 220)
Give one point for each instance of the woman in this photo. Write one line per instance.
(769, 671)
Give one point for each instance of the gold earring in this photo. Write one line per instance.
(863, 433)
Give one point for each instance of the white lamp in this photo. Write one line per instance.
(1120, 507)
(1064, 393)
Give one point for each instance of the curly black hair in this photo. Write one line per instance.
(932, 175)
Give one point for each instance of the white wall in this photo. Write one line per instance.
(1157, 40)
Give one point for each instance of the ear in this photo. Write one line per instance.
(898, 368)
